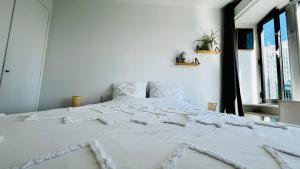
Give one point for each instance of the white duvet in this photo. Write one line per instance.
(144, 134)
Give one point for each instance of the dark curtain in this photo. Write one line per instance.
(231, 96)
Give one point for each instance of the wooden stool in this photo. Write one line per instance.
(212, 106)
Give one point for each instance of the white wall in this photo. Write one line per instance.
(249, 71)
(94, 43)
(47, 3)
(248, 77)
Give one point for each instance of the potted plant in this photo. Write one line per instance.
(208, 41)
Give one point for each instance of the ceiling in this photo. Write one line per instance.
(215, 4)
(257, 10)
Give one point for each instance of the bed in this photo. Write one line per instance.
(148, 133)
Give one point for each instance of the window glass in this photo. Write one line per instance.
(287, 79)
(269, 61)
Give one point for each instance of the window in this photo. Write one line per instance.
(275, 62)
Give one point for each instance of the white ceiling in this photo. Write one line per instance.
(258, 10)
(215, 4)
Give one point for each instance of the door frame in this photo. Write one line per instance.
(44, 54)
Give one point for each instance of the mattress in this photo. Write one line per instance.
(144, 134)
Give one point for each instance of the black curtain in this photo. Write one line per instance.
(231, 95)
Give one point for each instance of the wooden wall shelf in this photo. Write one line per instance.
(187, 64)
(208, 52)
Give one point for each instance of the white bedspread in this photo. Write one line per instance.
(144, 134)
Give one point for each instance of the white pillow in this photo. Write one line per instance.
(130, 89)
(162, 90)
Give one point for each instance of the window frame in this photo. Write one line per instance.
(274, 14)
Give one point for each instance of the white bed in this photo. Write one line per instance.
(143, 134)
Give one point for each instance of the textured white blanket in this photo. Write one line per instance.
(102, 159)
(170, 163)
(142, 134)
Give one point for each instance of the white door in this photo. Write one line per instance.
(24, 59)
(6, 10)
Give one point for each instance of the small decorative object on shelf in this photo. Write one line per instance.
(198, 48)
(207, 43)
(181, 58)
(217, 49)
(195, 63)
(76, 101)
